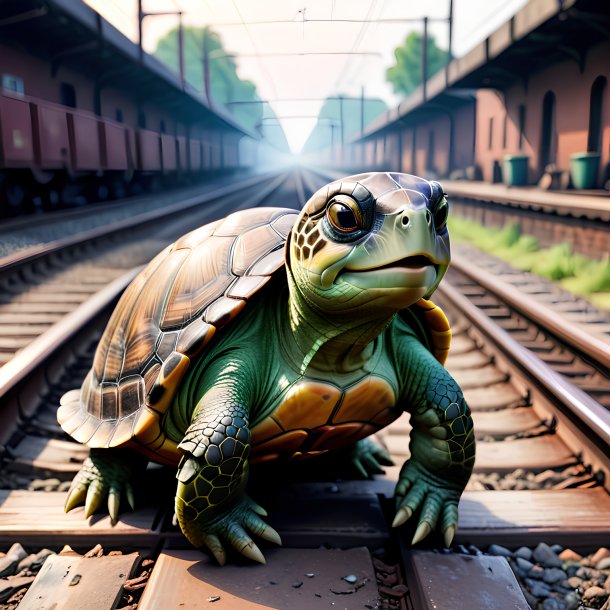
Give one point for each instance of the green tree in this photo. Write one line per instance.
(327, 131)
(405, 76)
(225, 85)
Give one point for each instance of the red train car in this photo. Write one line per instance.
(83, 120)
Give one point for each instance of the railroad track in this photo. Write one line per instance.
(521, 426)
(62, 290)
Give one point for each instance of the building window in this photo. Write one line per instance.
(162, 126)
(67, 95)
(521, 125)
(141, 119)
(594, 142)
(118, 115)
(491, 134)
(13, 84)
(504, 130)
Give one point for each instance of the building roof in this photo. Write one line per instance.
(541, 33)
(68, 32)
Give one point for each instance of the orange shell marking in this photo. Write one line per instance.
(438, 327)
(316, 416)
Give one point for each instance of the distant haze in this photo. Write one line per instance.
(313, 76)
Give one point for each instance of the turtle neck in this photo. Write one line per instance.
(332, 342)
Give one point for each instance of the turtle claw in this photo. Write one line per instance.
(403, 514)
(251, 551)
(104, 476)
(259, 510)
(368, 457)
(212, 542)
(131, 500)
(423, 529)
(432, 496)
(229, 528)
(114, 501)
(95, 495)
(76, 496)
(449, 534)
(270, 535)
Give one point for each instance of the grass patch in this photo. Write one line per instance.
(575, 273)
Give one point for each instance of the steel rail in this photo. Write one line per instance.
(15, 372)
(575, 403)
(568, 332)
(29, 255)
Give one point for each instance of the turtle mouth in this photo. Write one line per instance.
(415, 263)
(411, 263)
(409, 272)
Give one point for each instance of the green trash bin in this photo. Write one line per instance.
(583, 169)
(516, 170)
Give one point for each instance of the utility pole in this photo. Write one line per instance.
(362, 110)
(450, 19)
(181, 49)
(141, 15)
(449, 42)
(342, 131)
(424, 58)
(207, 90)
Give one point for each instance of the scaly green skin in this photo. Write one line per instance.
(106, 474)
(337, 321)
(238, 380)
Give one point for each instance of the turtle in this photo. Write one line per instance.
(273, 334)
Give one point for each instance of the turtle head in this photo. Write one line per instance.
(375, 240)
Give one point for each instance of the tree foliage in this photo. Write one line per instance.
(225, 84)
(355, 111)
(406, 75)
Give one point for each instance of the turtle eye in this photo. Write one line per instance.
(440, 216)
(344, 215)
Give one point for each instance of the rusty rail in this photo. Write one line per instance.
(539, 313)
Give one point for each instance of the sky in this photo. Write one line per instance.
(319, 64)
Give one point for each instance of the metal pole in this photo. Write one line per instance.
(206, 69)
(450, 30)
(181, 49)
(362, 110)
(424, 57)
(449, 43)
(341, 132)
(140, 19)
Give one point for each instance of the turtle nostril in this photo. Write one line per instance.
(405, 221)
(428, 217)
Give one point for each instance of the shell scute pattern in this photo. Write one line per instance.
(317, 416)
(167, 315)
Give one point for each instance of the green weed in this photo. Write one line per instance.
(578, 274)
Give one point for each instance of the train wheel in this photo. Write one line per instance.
(13, 194)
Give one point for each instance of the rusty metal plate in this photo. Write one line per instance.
(66, 582)
(33, 517)
(456, 582)
(189, 579)
(577, 518)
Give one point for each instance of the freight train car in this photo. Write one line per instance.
(85, 116)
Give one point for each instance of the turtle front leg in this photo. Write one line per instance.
(106, 473)
(442, 451)
(211, 505)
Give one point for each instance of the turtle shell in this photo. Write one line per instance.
(167, 316)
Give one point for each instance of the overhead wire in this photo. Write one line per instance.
(359, 38)
(263, 67)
